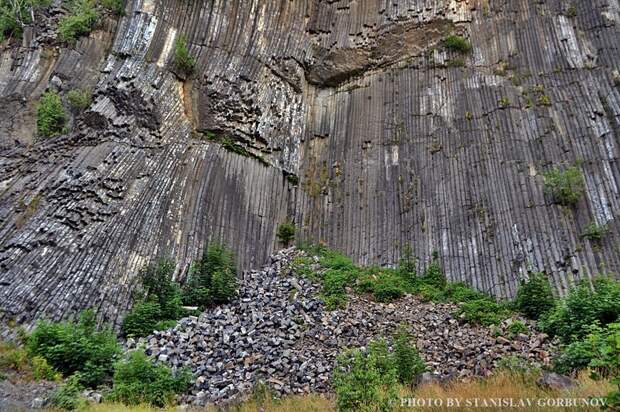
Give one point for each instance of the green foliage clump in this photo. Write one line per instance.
(534, 296)
(138, 380)
(365, 381)
(407, 264)
(80, 99)
(565, 187)
(76, 347)
(573, 316)
(484, 311)
(434, 276)
(68, 397)
(161, 301)
(457, 44)
(286, 233)
(409, 363)
(115, 6)
(515, 328)
(212, 279)
(183, 60)
(13, 357)
(80, 22)
(51, 116)
(15, 14)
(595, 232)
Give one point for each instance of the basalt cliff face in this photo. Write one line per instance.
(358, 125)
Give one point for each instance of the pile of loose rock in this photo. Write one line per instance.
(279, 332)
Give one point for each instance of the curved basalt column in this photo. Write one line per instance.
(393, 139)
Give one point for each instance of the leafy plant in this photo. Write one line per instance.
(407, 263)
(142, 320)
(485, 312)
(51, 116)
(286, 233)
(68, 395)
(365, 381)
(80, 99)
(515, 328)
(161, 300)
(565, 187)
(76, 347)
(409, 364)
(457, 44)
(595, 232)
(534, 296)
(584, 305)
(138, 380)
(212, 279)
(15, 14)
(80, 22)
(115, 6)
(183, 61)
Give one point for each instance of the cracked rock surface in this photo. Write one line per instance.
(277, 331)
(360, 127)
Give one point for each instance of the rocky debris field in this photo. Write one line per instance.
(19, 395)
(279, 332)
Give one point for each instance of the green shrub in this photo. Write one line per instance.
(68, 395)
(51, 116)
(483, 311)
(571, 318)
(334, 283)
(80, 22)
(515, 328)
(79, 99)
(286, 233)
(434, 275)
(534, 296)
(460, 292)
(138, 380)
(388, 287)
(14, 15)
(565, 187)
(76, 347)
(430, 293)
(595, 232)
(41, 370)
(212, 279)
(365, 381)
(183, 61)
(457, 44)
(160, 304)
(115, 6)
(406, 264)
(599, 350)
(142, 320)
(409, 364)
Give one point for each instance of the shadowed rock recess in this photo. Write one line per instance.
(356, 122)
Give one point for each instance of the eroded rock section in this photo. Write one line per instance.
(279, 332)
(357, 123)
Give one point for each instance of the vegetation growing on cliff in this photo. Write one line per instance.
(51, 115)
(565, 187)
(15, 14)
(457, 44)
(286, 233)
(80, 21)
(212, 279)
(80, 99)
(183, 60)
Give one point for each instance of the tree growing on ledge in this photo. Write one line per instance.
(565, 187)
(286, 233)
(457, 44)
(51, 116)
(184, 63)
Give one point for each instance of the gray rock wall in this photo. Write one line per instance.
(394, 141)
